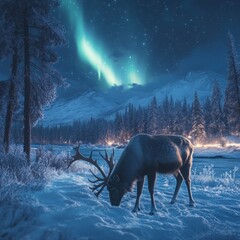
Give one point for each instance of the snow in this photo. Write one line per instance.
(66, 209)
(106, 104)
(215, 152)
(83, 107)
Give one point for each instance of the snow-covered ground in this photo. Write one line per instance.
(216, 150)
(213, 152)
(66, 209)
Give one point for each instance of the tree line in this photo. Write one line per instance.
(168, 117)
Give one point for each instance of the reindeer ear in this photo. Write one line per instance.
(115, 179)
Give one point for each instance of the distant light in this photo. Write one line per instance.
(110, 142)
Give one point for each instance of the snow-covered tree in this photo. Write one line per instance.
(207, 116)
(38, 33)
(140, 119)
(145, 119)
(172, 115)
(198, 124)
(178, 125)
(186, 121)
(131, 120)
(12, 93)
(153, 117)
(9, 48)
(126, 126)
(232, 92)
(216, 126)
(165, 115)
(3, 86)
(118, 126)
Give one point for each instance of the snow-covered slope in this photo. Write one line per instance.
(97, 104)
(202, 82)
(84, 107)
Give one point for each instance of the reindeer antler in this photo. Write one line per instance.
(104, 177)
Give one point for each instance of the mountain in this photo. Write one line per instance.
(90, 104)
(106, 104)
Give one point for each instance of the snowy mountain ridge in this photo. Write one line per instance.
(105, 105)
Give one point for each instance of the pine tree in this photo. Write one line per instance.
(126, 134)
(153, 117)
(166, 115)
(140, 120)
(145, 120)
(207, 113)
(216, 126)
(172, 115)
(38, 33)
(161, 119)
(11, 101)
(131, 118)
(186, 118)
(118, 126)
(232, 92)
(198, 124)
(9, 44)
(178, 119)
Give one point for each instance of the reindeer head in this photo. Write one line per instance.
(116, 191)
(100, 182)
(111, 180)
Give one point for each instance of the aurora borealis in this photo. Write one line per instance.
(88, 50)
(119, 42)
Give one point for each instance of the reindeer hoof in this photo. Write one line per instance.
(152, 212)
(191, 204)
(135, 210)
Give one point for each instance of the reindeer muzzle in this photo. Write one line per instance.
(115, 204)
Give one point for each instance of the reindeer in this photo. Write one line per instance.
(144, 155)
(148, 155)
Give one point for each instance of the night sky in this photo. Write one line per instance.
(114, 42)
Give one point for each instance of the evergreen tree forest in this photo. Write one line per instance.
(200, 122)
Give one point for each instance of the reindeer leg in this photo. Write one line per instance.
(179, 179)
(186, 175)
(151, 183)
(139, 192)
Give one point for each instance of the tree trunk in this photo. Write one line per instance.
(27, 89)
(11, 101)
